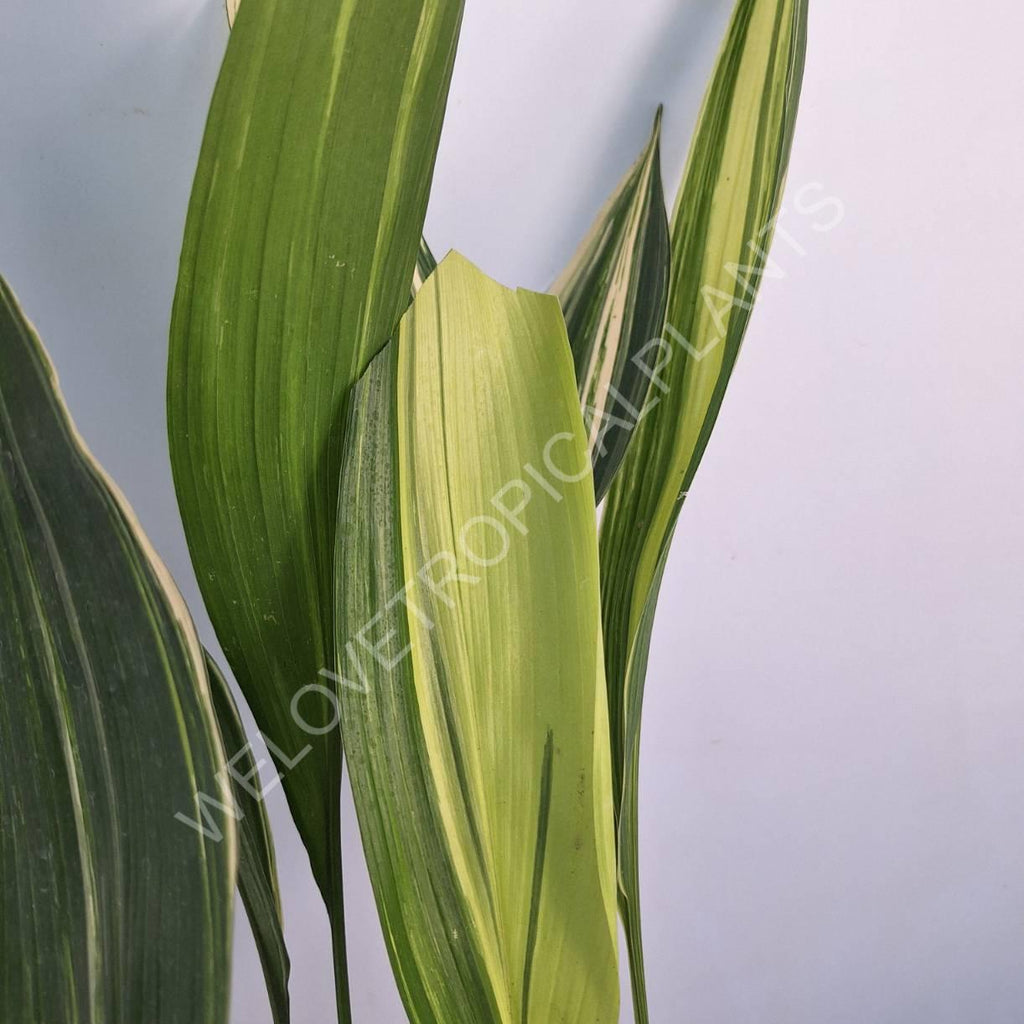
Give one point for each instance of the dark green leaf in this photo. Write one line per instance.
(613, 296)
(425, 266)
(257, 866)
(112, 910)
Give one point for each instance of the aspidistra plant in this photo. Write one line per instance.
(299, 250)
(110, 909)
(388, 470)
(722, 227)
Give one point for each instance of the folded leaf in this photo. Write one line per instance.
(300, 243)
(469, 643)
(111, 909)
(257, 865)
(721, 230)
(613, 296)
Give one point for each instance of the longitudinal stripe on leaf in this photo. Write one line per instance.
(111, 909)
(425, 266)
(469, 649)
(299, 249)
(721, 230)
(257, 864)
(613, 295)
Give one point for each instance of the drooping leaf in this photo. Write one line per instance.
(613, 296)
(721, 230)
(300, 243)
(469, 645)
(111, 909)
(257, 865)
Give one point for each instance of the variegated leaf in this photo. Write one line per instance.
(115, 896)
(721, 230)
(257, 864)
(469, 648)
(300, 243)
(613, 296)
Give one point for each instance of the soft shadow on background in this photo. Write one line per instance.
(834, 742)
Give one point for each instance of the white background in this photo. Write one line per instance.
(833, 773)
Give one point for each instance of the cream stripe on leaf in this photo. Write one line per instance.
(112, 909)
(613, 296)
(425, 266)
(300, 243)
(721, 230)
(425, 262)
(473, 698)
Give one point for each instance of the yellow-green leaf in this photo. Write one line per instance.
(112, 909)
(470, 664)
(613, 296)
(300, 244)
(721, 230)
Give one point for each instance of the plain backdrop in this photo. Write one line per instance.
(833, 760)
